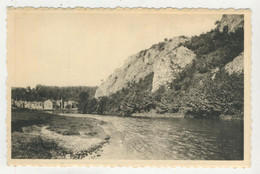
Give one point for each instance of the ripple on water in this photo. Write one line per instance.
(173, 139)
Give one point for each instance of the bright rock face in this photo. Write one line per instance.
(236, 66)
(170, 64)
(232, 22)
(164, 60)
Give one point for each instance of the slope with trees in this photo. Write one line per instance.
(204, 89)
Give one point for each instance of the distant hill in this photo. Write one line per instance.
(201, 76)
(42, 92)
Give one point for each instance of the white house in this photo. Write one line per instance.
(48, 104)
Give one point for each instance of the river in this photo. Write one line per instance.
(171, 138)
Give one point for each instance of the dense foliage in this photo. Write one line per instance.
(135, 98)
(215, 48)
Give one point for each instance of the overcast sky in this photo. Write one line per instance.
(71, 49)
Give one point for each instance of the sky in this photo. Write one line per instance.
(81, 49)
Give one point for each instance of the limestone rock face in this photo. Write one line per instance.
(170, 64)
(162, 59)
(236, 66)
(232, 22)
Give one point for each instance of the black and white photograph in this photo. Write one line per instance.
(94, 84)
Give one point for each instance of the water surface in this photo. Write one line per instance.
(171, 138)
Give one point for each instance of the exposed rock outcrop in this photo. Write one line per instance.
(171, 63)
(204, 74)
(231, 23)
(236, 66)
(164, 60)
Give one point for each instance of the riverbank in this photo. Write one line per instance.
(183, 115)
(157, 115)
(38, 135)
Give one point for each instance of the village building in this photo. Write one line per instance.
(19, 104)
(36, 105)
(46, 105)
(49, 104)
(59, 104)
(70, 104)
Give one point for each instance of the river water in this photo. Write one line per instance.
(171, 138)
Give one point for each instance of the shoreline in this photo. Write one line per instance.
(156, 115)
(146, 115)
(41, 135)
(137, 115)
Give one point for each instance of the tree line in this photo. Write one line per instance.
(42, 92)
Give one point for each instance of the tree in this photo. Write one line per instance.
(102, 105)
(92, 106)
(83, 102)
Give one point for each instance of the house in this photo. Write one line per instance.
(60, 104)
(66, 104)
(27, 104)
(36, 105)
(70, 104)
(33, 105)
(57, 104)
(19, 104)
(49, 104)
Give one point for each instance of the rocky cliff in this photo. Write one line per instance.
(170, 64)
(231, 23)
(165, 60)
(236, 66)
(201, 76)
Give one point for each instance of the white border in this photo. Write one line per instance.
(252, 4)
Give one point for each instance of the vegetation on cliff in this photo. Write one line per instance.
(204, 89)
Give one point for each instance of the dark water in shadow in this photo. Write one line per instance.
(172, 138)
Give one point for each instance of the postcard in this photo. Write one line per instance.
(128, 87)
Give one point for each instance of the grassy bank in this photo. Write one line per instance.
(37, 135)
